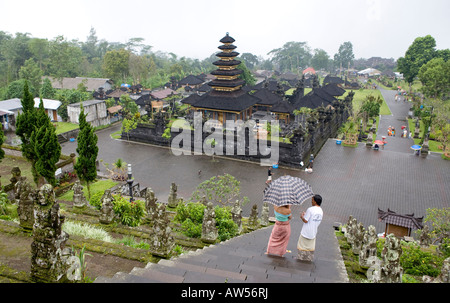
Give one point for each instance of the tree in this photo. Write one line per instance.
(128, 125)
(370, 108)
(292, 56)
(320, 60)
(46, 147)
(435, 78)
(47, 90)
(250, 60)
(344, 57)
(246, 75)
(30, 71)
(223, 189)
(87, 150)
(116, 64)
(419, 53)
(25, 125)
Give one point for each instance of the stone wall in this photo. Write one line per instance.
(319, 128)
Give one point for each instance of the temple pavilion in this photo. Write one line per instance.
(226, 100)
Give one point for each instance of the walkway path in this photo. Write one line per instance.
(352, 181)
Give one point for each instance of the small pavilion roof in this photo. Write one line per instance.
(408, 221)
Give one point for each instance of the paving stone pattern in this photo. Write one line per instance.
(352, 181)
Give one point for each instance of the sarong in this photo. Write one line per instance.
(279, 238)
(306, 248)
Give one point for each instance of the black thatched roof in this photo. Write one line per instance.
(227, 55)
(333, 89)
(226, 63)
(332, 79)
(314, 99)
(226, 101)
(267, 97)
(283, 107)
(191, 99)
(204, 88)
(191, 80)
(227, 39)
(143, 99)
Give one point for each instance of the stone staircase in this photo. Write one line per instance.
(241, 260)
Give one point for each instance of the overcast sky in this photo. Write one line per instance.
(193, 28)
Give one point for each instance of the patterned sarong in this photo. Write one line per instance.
(279, 238)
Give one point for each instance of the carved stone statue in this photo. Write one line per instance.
(391, 271)
(369, 247)
(265, 215)
(425, 237)
(150, 204)
(49, 257)
(210, 232)
(236, 214)
(253, 223)
(161, 241)
(79, 200)
(107, 212)
(172, 199)
(358, 236)
(25, 196)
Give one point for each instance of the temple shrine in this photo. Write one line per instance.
(227, 100)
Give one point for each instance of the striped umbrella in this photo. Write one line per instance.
(288, 190)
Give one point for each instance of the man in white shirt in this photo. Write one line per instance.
(311, 220)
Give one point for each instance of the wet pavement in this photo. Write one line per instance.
(352, 181)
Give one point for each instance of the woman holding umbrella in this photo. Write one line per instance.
(281, 232)
(282, 193)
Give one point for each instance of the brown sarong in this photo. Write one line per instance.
(279, 238)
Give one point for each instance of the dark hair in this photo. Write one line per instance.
(318, 199)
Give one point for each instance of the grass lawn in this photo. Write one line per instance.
(432, 144)
(95, 188)
(8, 162)
(362, 94)
(62, 127)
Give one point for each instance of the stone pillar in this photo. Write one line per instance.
(49, 257)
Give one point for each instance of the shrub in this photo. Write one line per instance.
(191, 229)
(87, 231)
(96, 199)
(190, 216)
(418, 263)
(225, 224)
(130, 214)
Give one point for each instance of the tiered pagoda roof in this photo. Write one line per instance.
(227, 74)
(226, 93)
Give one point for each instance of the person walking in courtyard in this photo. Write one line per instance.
(312, 218)
(269, 175)
(281, 232)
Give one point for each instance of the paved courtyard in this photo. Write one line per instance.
(352, 181)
